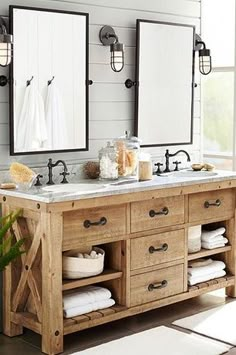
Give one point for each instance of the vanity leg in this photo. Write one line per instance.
(52, 313)
(230, 257)
(9, 328)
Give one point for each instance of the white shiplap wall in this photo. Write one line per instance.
(111, 104)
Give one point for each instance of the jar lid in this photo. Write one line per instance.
(108, 149)
(131, 142)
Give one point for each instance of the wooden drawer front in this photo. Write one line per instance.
(209, 205)
(157, 249)
(155, 285)
(157, 213)
(93, 223)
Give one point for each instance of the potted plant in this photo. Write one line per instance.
(9, 250)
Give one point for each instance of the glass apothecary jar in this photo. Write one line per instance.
(128, 151)
(108, 158)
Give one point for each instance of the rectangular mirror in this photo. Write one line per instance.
(165, 83)
(49, 81)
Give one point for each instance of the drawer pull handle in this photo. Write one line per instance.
(164, 211)
(88, 223)
(208, 204)
(152, 250)
(158, 286)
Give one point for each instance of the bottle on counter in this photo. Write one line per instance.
(108, 163)
(145, 167)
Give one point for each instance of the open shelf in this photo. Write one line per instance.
(106, 275)
(225, 281)
(97, 317)
(206, 252)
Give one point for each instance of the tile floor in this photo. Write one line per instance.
(29, 342)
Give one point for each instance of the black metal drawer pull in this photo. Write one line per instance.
(88, 223)
(163, 211)
(158, 286)
(208, 204)
(152, 250)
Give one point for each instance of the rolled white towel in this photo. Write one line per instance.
(196, 279)
(219, 244)
(85, 295)
(194, 231)
(208, 235)
(90, 307)
(205, 270)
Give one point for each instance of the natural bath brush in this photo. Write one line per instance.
(22, 175)
(91, 169)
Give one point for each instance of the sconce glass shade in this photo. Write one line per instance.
(205, 64)
(5, 45)
(205, 61)
(109, 38)
(117, 56)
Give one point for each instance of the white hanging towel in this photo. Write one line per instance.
(55, 120)
(31, 123)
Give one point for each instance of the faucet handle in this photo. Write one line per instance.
(158, 167)
(64, 174)
(176, 165)
(38, 183)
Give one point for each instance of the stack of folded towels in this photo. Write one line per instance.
(86, 299)
(213, 239)
(201, 270)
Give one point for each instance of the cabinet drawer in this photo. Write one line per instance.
(157, 213)
(155, 285)
(88, 225)
(209, 205)
(157, 249)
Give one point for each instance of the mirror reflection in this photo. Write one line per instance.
(49, 88)
(165, 76)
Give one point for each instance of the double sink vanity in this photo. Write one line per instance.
(144, 237)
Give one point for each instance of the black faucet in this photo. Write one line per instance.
(168, 155)
(64, 173)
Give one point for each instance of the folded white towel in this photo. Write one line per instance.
(84, 296)
(218, 244)
(90, 307)
(200, 262)
(212, 240)
(195, 280)
(205, 270)
(208, 235)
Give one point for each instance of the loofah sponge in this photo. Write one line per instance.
(21, 173)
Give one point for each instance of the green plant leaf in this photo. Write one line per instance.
(8, 223)
(12, 254)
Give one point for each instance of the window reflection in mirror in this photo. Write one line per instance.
(165, 76)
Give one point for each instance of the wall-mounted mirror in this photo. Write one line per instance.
(165, 78)
(49, 81)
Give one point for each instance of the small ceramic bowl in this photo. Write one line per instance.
(197, 166)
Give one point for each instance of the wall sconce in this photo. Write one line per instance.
(205, 65)
(5, 45)
(109, 38)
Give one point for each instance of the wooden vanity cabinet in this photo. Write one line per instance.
(144, 235)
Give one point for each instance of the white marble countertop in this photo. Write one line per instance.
(110, 188)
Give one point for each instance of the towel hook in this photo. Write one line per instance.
(50, 81)
(28, 82)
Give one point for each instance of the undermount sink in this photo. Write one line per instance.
(81, 187)
(194, 174)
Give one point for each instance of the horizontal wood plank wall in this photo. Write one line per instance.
(111, 104)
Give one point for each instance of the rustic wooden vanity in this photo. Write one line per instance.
(145, 240)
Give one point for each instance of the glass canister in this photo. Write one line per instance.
(128, 151)
(108, 162)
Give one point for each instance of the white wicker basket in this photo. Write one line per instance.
(76, 268)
